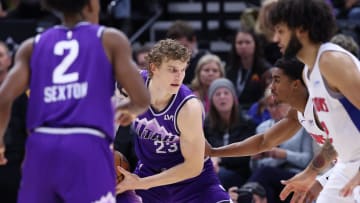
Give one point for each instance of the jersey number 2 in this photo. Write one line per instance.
(59, 76)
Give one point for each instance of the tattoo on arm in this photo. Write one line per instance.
(324, 158)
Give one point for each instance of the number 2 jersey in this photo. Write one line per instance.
(337, 116)
(71, 80)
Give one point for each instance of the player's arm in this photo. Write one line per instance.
(192, 143)
(277, 134)
(342, 75)
(127, 75)
(322, 160)
(15, 83)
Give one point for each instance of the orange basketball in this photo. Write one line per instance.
(120, 160)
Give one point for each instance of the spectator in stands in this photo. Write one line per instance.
(258, 111)
(15, 137)
(185, 34)
(346, 42)
(347, 9)
(281, 162)
(139, 55)
(207, 70)
(246, 67)
(225, 124)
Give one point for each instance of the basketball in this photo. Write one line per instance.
(120, 160)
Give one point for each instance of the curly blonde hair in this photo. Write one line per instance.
(165, 50)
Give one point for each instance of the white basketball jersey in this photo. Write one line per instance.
(307, 120)
(337, 116)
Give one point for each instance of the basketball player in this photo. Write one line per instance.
(170, 140)
(303, 29)
(70, 70)
(287, 87)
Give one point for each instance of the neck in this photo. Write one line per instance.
(226, 116)
(308, 54)
(247, 62)
(159, 97)
(300, 100)
(73, 20)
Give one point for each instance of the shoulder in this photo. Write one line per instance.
(25, 50)
(333, 55)
(191, 106)
(114, 37)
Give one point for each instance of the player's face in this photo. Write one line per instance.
(244, 44)
(209, 72)
(223, 100)
(287, 41)
(171, 74)
(280, 86)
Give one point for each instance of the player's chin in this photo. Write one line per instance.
(174, 89)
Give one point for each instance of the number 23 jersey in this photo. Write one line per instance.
(157, 142)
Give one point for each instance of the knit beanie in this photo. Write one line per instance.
(221, 82)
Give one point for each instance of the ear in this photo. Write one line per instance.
(296, 84)
(301, 32)
(152, 67)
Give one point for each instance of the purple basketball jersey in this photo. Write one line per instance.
(72, 85)
(157, 134)
(157, 146)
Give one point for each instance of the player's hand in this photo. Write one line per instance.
(130, 182)
(124, 118)
(277, 153)
(349, 187)
(300, 184)
(3, 159)
(234, 195)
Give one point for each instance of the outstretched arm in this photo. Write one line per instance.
(277, 134)
(14, 84)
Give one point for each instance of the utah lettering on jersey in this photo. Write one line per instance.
(150, 129)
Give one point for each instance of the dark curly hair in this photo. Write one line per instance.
(292, 68)
(314, 16)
